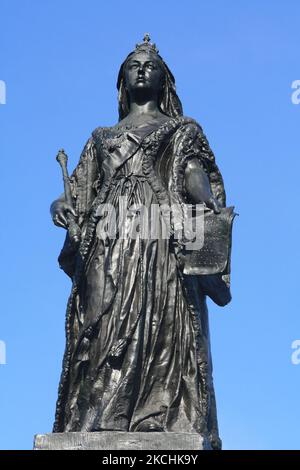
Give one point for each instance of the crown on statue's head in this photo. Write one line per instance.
(146, 46)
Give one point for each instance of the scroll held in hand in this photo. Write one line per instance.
(212, 261)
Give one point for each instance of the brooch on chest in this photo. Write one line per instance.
(112, 140)
(113, 143)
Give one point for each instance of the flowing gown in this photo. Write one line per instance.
(138, 352)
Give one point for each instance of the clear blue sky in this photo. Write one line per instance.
(234, 63)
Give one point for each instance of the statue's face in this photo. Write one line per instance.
(143, 72)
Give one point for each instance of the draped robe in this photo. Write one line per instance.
(137, 334)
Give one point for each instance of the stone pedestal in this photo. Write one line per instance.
(114, 440)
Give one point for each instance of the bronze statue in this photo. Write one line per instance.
(137, 352)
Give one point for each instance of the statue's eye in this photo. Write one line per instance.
(133, 66)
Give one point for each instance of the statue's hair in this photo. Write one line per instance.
(168, 101)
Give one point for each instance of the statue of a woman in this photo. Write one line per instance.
(137, 352)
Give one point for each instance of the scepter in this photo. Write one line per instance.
(73, 228)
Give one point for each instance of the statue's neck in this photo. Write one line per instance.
(142, 108)
(143, 113)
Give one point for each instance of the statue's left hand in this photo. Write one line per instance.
(197, 185)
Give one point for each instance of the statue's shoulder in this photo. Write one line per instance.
(107, 132)
(190, 124)
(187, 130)
(98, 133)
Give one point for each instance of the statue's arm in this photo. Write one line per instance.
(203, 182)
(82, 183)
(197, 185)
(59, 209)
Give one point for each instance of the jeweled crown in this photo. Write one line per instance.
(146, 46)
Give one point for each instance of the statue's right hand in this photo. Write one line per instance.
(59, 212)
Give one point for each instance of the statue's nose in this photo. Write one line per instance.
(141, 70)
